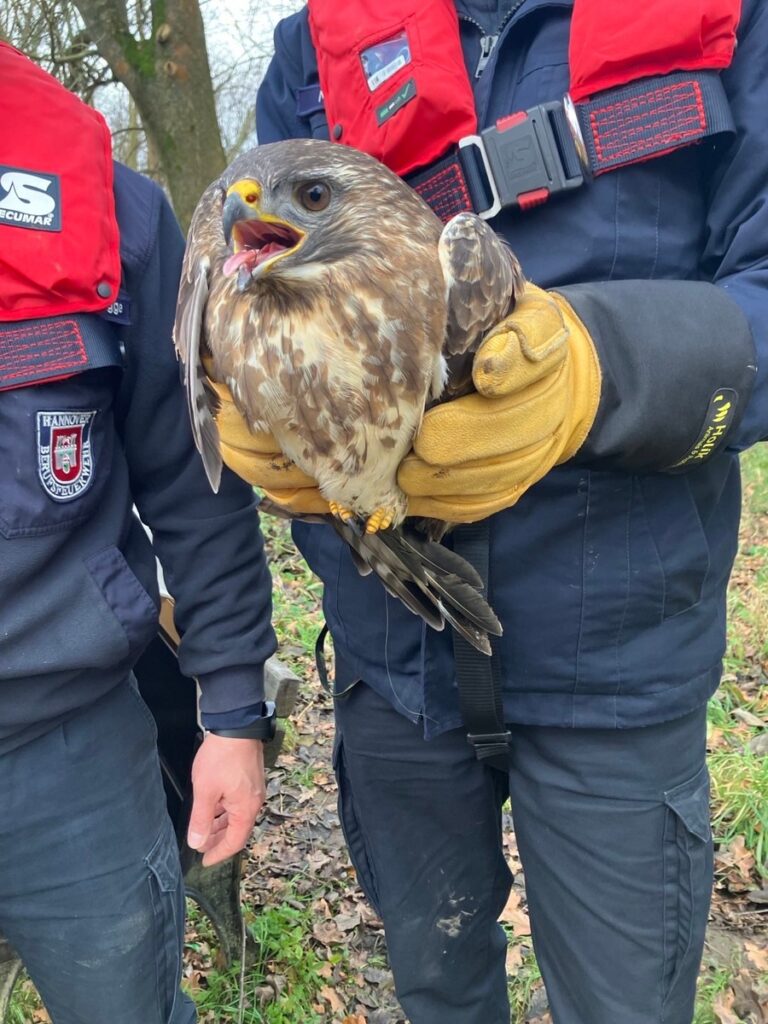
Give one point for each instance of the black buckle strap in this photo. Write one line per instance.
(527, 157)
(478, 677)
(533, 154)
(521, 161)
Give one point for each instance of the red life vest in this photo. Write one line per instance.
(394, 82)
(59, 240)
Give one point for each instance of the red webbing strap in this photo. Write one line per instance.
(612, 44)
(59, 240)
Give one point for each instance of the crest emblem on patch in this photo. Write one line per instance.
(64, 453)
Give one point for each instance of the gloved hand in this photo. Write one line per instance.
(538, 379)
(256, 457)
(538, 386)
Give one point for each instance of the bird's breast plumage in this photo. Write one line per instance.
(337, 367)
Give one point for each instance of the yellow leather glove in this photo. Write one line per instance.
(256, 457)
(538, 379)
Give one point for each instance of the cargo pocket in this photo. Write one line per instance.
(167, 894)
(687, 884)
(353, 834)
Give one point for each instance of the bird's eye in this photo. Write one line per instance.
(314, 196)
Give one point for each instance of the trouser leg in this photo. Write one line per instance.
(423, 825)
(613, 832)
(91, 893)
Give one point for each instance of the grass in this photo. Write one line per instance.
(24, 1003)
(740, 801)
(283, 985)
(296, 595)
(740, 777)
(712, 983)
(522, 984)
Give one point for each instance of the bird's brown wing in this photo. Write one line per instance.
(205, 241)
(483, 280)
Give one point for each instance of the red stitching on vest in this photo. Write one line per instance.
(41, 349)
(677, 113)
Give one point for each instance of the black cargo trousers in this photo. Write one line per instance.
(613, 831)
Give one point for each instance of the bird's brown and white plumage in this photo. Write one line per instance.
(343, 308)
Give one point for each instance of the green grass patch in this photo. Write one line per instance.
(296, 593)
(748, 594)
(283, 986)
(740, 800)
(521, 986)
(712, 983)
(24, 1002)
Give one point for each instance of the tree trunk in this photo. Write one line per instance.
(169, 79)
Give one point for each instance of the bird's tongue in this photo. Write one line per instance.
(250, 258)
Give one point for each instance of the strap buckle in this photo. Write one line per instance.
(489, 744)
(527, 157)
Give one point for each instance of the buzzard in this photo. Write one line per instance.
(334, 304)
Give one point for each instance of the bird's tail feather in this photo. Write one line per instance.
(431, 580)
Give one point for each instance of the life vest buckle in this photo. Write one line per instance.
(527, 157)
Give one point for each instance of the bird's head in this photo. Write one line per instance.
(293, 208)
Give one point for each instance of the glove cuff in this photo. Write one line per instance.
(586, 381)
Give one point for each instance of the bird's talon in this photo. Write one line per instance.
(381, 519)
(341, 511)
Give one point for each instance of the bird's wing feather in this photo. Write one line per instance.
(483, 279)
(188, 332)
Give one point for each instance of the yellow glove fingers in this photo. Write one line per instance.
(299, 500)
(522, 349)
(474, 480)
(451, 509)
(265, 470)
(475, 427)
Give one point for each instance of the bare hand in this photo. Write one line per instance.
(228, 791)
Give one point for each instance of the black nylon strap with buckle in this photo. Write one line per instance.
(479, 677)
(531, 155)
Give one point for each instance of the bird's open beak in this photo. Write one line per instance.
(259, 240)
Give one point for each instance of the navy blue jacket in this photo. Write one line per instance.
(609, 577)
(78, 582)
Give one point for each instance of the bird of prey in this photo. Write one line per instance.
(334, 304)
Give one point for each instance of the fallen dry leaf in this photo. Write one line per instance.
(757, 955)
(722, 1007)
(332, 998)
(736, 865)
(514, 959)
(514, 915)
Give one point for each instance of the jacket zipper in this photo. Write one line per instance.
(488, 42)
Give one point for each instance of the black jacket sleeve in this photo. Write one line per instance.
(209, 544)
(685, 363)
(678, 367)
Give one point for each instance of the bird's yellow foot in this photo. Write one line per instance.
(341, 511)
(381, 519)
